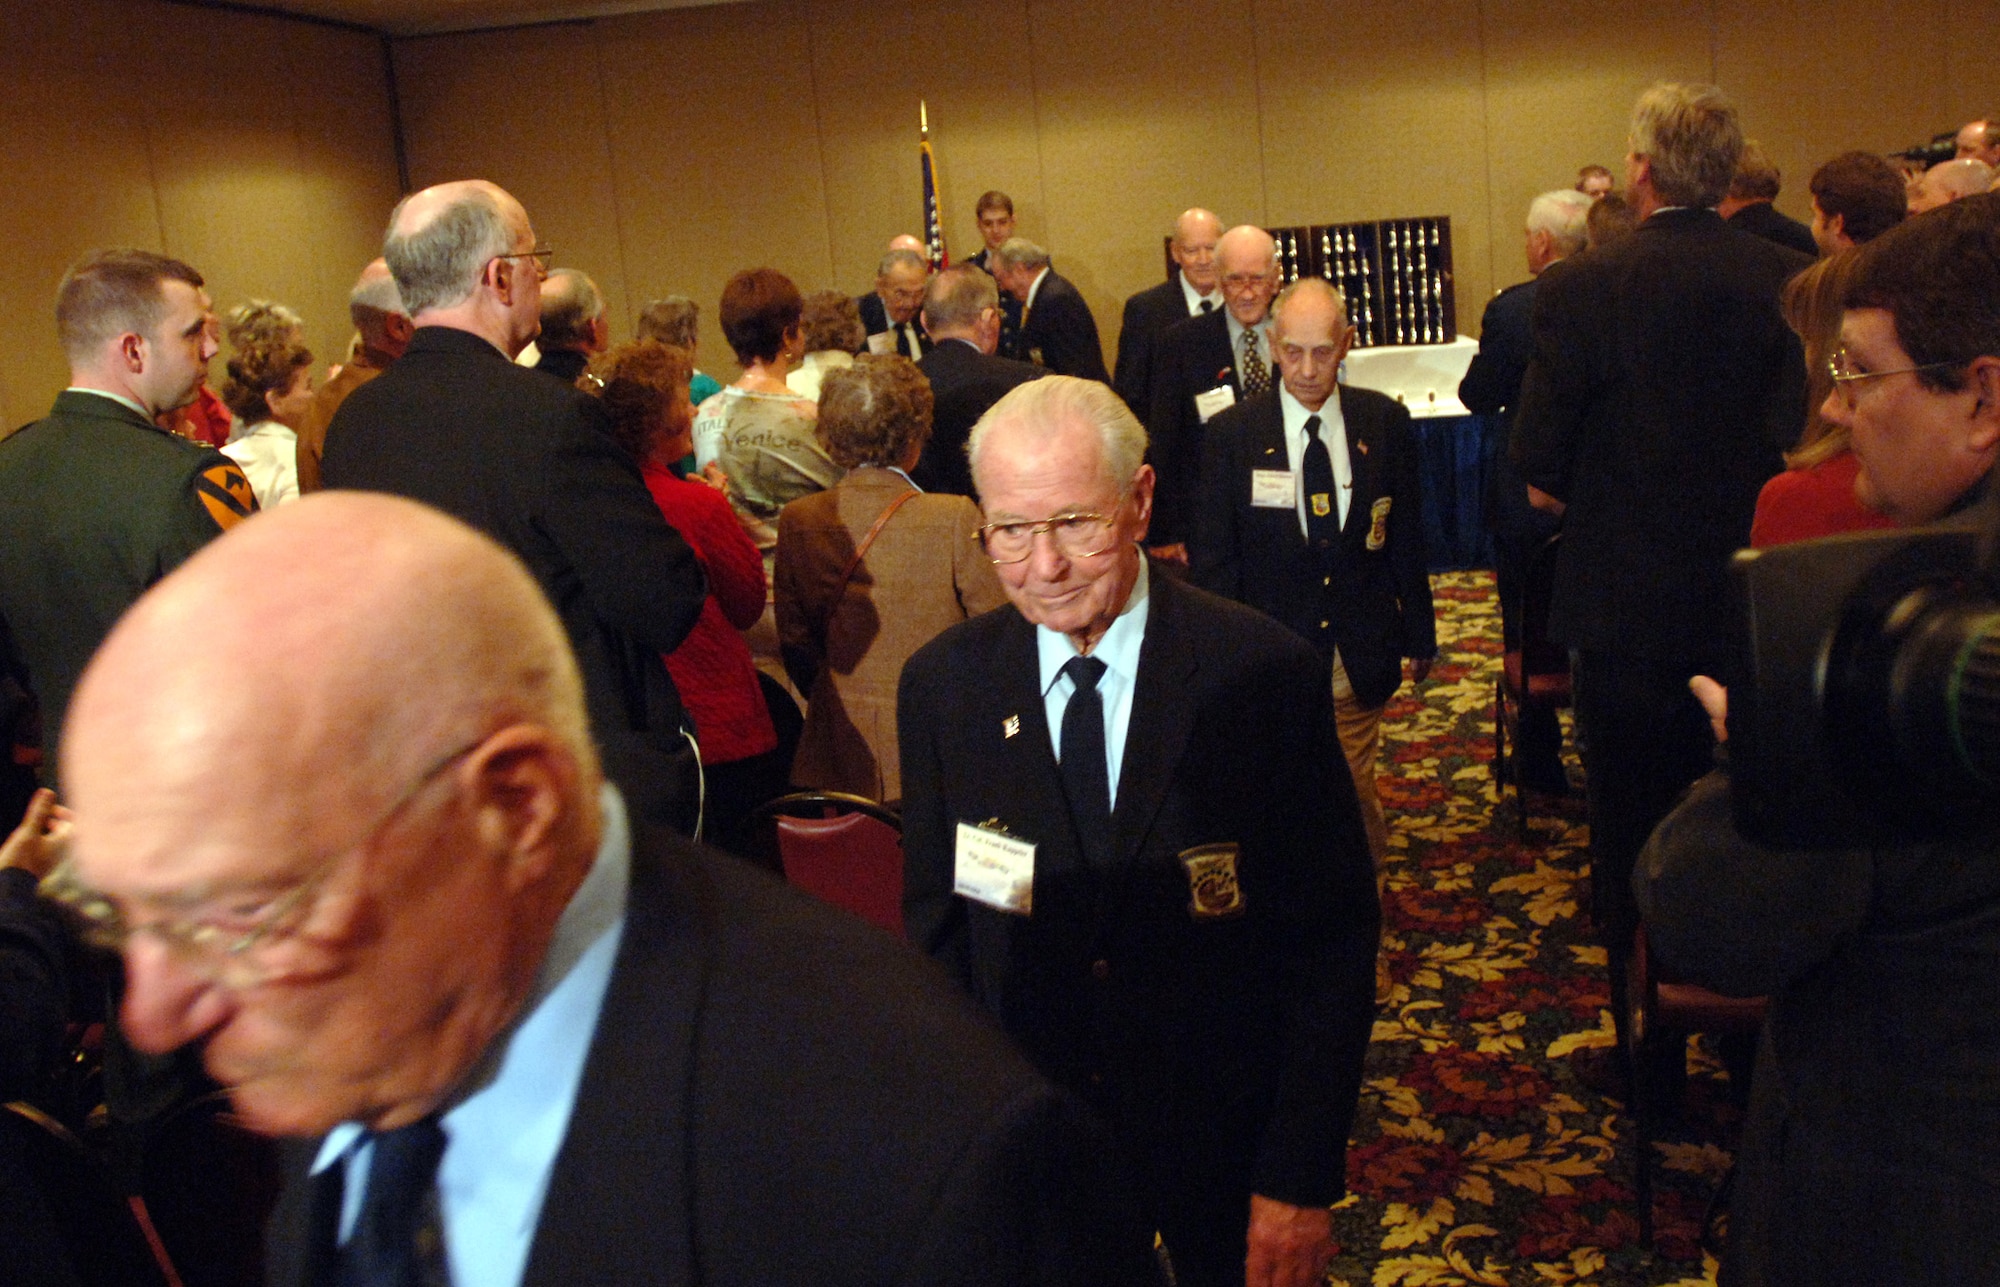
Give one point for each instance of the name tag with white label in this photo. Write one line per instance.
(1214, 402)
(1272, 489)
(994, 869)
(882, 343)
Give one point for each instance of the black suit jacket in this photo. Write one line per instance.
(1059, 332)
(1147, 313)
(1226, 1052)
(875, 318)
(1190, 357)
(964, 383)
(1663, 386)
(1492, 387)
(1772, 224)
(1010, 312)
(779, 1093)
(530, 461)
(1373, 602)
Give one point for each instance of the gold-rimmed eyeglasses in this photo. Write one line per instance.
(241, 940)
(543, 255)
(1077, 535)
(1841, 367)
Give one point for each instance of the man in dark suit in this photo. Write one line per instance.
(456, 424)
(1492, 387)
(537, 1038)
(962, 315)
(1663, 386)
(1202, 366)
(1312, 511)
(889, 312)
(1057, 330)
(573, 324)
(1190, 292)
(1748, 205)
(97, 501)
(995, 213)
(1129, 835)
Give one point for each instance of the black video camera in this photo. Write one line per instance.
(1942, 147)
(1869, 711)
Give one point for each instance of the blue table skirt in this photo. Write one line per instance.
(1457, 461)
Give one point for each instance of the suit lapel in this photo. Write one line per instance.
(1364, 458)
(1161, 719)
(1264, 425)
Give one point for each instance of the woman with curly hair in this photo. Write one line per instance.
(644, 387)
(269, 390)
(868, 572)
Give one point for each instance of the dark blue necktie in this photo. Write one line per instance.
(1085, 772)
(396, 1240)
(1322, 505)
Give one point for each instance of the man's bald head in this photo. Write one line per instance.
(1196, 233)
(1948, 181)
(441, 239)
(1248, 257)
(360, 652)
(905, 241)
(1979, 140)
(573, 313)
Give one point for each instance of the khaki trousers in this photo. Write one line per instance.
(1360, 730)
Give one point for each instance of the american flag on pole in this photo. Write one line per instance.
(933, 219)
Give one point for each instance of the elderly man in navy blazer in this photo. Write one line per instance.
(1194, 288)
(1312, 511)
(1129, 834)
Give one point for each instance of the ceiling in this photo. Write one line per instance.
(429, 17)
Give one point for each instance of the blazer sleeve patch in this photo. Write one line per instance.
(226, 495)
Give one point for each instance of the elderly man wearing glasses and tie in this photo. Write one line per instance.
(360, 853)
(1129, 832)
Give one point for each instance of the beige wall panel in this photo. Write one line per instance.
(1377, 119)
(1143, 111)
(347, 139)
(716, 153)
(1972, 73)
(867, 82)
(1791, 68)
(1559, 95)
(525, 109)
(78, 178)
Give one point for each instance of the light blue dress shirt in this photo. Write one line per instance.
(1119, 651)
(503, 1133)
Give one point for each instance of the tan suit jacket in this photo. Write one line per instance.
(925, 572)
(312, 433)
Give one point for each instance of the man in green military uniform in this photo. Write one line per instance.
(96, 501)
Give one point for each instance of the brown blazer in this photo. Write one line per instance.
(924, 572)
(312, 432)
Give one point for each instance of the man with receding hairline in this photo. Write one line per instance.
(1980, 141)
(97, 501)
(1129, 834)
(963, 318)
(531, 461)
(360, 854)
(889, 312)
(1194, 289)
(573, 324)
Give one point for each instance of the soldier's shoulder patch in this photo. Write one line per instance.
(226, 494)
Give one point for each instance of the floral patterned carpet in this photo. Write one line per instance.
(1479, 1156)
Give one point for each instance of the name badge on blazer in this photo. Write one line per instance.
(882, 342)
(994, 868)
(1378, 523)
(1272, 488)
(1213, 403)
(1213, 891)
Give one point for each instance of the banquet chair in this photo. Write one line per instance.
(843, 849)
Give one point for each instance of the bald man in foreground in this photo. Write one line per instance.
(359, 849)
(531, 462)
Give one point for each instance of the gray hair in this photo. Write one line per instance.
(1756, 177)
(570, 303)
(956, 297)
(372, 299)
(1055, 402)
(1314, 286)
(670, 320)
(439, 264)
(1690, 135)
(1564, 215)
(901, 259)
(1019, 252)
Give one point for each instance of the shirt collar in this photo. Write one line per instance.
(1237, 328)
(1118, 649)
(1036, 288)
(1195, 297)
(118, 398)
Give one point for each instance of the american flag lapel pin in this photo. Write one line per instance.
(1010, 726)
